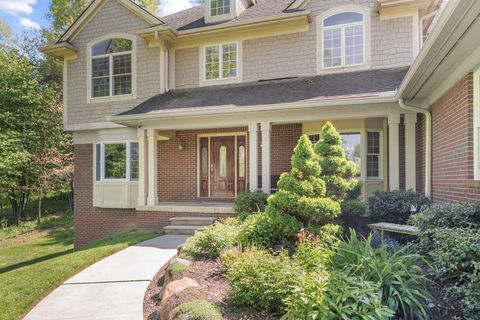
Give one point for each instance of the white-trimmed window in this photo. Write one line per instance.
(116, 161)
(221, 61)
(219, 7)
(343, 42)
(111, 68)
(352, 145)
(374, 154)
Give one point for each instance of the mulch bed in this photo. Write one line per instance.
(213, 287)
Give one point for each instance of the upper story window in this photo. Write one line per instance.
(343, 40)
(221, 61)
(219, 7)
(111, 68)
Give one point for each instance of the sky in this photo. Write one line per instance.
(25, 15)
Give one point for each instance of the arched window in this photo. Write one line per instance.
(343, 40)
(111, 68)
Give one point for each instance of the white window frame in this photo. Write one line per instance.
(219, 15)
(380, 155)
(90, 58)
(221, 79)
(102, 161)
(366, 12)
(363, 150)
(476, 124)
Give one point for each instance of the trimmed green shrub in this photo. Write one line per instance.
(213, 240)
(302, 191)
(337, 296)
(395, 206)
(354, 208)
(456, 255)
(250, 202)
(403, 287)
(450, 237)
(197, 310)
(261, 280)
(464, 215)
(269, 228)
(314, 254)
(338, 172)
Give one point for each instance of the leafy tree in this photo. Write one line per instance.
(338, 172)
(302, 192)
(31, 132)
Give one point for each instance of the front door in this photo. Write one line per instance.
(222, 167)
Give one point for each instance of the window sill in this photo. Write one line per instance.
(111, 99)
(218, 82)
(328, 70)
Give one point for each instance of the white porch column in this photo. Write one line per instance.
(266, 158)
(152, 167)
(253, 155)
(394, 151)
(142, 168)
(410, 151)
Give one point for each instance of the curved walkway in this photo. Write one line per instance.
(112, 288)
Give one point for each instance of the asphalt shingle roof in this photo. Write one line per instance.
(277, 91)
(194, 17)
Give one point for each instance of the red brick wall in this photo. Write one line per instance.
(284, 140)
(452, 145)
(177, 169)
(420, 152)
(94, 223)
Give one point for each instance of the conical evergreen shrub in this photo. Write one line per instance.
(338, 172)
(302, 192)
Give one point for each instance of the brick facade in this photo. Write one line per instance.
(420, 152)
(95, 223)
(452, 145)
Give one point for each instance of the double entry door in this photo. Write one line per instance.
(223, 166)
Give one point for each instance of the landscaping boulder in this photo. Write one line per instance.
(174, 289)
(176, 270)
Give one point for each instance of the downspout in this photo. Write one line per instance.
(428, 144)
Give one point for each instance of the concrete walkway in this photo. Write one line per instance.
(112, 288)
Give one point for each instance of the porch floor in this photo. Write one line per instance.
(198, 206)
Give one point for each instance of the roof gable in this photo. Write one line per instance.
(96, 5)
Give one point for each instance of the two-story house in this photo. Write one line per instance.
(175, 116)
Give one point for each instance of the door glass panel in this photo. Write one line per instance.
(204, 162)
(223, 162)
(241, 162)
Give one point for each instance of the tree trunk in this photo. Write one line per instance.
(71, 195)
(39, 215)
(15, 210)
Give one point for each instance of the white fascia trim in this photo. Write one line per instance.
(383, 97)
(97, 5)
(431, 41)
(92, 126)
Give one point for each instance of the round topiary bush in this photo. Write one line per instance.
(302, 191)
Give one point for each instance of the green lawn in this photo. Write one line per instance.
(35, 263)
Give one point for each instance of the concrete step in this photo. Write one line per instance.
(182, 230)
(192, 221)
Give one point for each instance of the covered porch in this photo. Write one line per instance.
(201, 166)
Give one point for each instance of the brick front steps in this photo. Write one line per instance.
(188, 225)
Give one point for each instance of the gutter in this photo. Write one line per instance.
(428, 143)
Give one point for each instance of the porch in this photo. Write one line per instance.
(200, 169)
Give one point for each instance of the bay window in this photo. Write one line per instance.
(116, 161)
(111, 68)
(221, 61)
